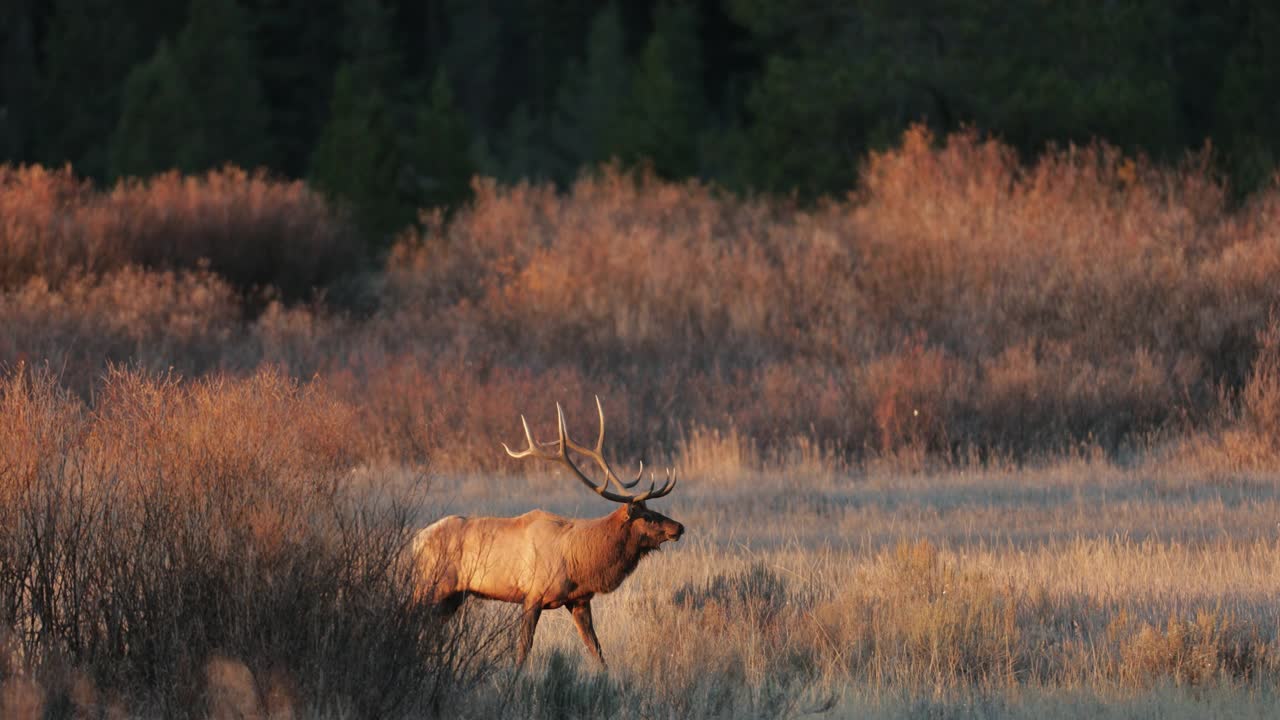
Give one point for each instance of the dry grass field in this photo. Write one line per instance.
(220, 538)
(1074, 590)
(984, 439)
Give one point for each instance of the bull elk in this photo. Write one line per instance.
(545, 561)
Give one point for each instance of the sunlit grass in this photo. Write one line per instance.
(1083, 586)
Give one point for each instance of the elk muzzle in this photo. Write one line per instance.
(674, 530)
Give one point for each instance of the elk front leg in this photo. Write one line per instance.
(582, 618)
(527, 627)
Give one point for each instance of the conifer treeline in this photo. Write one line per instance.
(394, 104)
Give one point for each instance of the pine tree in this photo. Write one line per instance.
(536, 59)
(18, 81)
(216, 55)
(90, 48)
(369, 47)
(592, 101)
(438, 168)
(668, 105)
(472, 56)
(383, 151)
(197, 106)
(524, 147)
(1247, 111)
(299, 44)
(540, 37)
(160, 127)
(355, 159)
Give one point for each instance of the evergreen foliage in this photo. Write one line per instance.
(18, 79)
(591, 108)
(668, 105)
(90, 47)
(388, 103)
(439, 167)
(355, 159)
(197, 106)
(1247, 109)
(160, 126)
(384, 152)
(216, 54)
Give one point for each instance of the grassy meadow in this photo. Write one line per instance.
(986, 438)
(1074, 590)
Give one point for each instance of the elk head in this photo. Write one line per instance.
(648, 529)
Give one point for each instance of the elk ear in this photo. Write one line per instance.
(634, 509)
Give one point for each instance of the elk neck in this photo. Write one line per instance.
(603, 551)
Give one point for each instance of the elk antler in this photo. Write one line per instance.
(565, 443)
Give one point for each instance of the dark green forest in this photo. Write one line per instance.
(393, 105)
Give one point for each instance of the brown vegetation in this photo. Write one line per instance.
(172, 523)
(203, 463)
(251, 230)
(959, 302)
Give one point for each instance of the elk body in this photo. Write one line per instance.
(540, 560)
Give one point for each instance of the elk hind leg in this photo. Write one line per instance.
(582, 618)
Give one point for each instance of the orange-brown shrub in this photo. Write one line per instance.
(455, 416)
(1084, 297)
(253, 230)
(187, 321)
(961, 298)
(984, 253)
(1244, 435)
(1260, 397)
(913, 396)
(623, 268)
(36, 239)
(176, 523)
